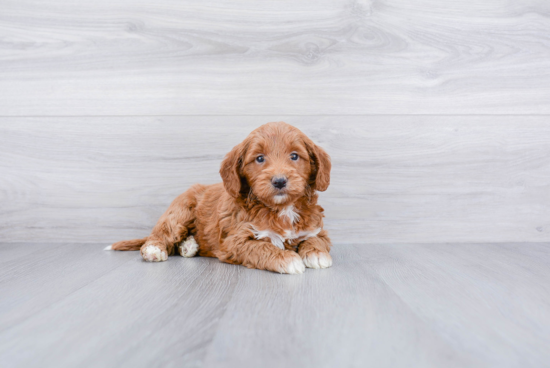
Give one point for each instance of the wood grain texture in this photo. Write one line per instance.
(163, 302)
(60, 57)
(394, 179)
(392, 305)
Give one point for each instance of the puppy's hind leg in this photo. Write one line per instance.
(173, 226)
(188, 248)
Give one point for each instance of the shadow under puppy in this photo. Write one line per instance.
(264, 215)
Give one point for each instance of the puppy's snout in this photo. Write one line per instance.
(279, 182)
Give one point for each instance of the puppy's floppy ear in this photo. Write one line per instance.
(230, 170)
(320, 173)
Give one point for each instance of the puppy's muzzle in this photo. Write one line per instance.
(279, 182)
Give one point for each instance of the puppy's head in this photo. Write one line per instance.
(278, 163)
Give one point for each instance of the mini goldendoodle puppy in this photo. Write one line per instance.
(265, 214)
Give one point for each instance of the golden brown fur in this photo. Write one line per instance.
(245, 219)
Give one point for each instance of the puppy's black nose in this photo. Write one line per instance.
(279, 182)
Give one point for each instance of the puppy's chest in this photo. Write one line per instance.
(291, 229)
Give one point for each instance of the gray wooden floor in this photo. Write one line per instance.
(398, 305)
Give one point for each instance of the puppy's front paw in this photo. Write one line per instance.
(189, 247)
(316, 259)
(152, 253)
(292, 264)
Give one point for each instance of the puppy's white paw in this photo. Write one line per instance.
(109, 247)
(152, 253)
(318, 260)
(189, 247)
(293, 266)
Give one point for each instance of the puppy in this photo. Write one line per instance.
(264, 215)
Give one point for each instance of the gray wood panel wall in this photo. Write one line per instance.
(434, 112)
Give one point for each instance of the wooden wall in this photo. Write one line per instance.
(435, 113)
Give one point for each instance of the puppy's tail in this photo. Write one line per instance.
(127, 244)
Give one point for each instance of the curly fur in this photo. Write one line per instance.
(246, 220)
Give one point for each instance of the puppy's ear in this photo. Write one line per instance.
(320, 171)
(230, 170)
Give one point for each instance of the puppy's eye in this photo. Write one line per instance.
(260, 159)
(294, 156)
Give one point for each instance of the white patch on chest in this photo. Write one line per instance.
(302, 235)
(278, 240)
(290, 213)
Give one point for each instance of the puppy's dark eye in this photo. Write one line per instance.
(260, 159)
(294, 156)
